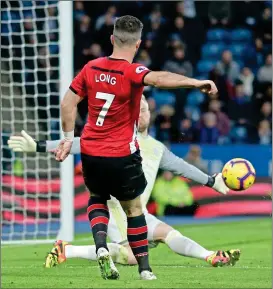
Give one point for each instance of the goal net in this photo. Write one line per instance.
(31, 184)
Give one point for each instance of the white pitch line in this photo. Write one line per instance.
(208, 267)
(160, 266)
(9, 246)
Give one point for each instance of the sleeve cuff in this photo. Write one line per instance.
(73, 90)
(41, 146)
(211, 181)
(147, 72)
(76, 92)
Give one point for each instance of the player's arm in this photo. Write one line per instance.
(169, 80)
(77, 91)
(68, 118)
(171, 162)
(69, 111)
(25, 143)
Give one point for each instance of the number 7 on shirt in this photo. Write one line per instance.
(109, 99)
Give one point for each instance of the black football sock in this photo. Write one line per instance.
(137, 238)
(98, 215)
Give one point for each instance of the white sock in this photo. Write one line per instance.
(89, 251)
(85, 252)
(185, 246)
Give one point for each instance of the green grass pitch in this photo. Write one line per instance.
(22, 265)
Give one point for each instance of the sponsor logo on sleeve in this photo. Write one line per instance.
(140, 69)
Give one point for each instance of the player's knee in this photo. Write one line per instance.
(133, 211)
(171, 235)
(160, 239)
(132, 208)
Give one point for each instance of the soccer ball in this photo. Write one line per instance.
(238, 174)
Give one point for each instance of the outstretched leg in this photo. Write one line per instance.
(186, 247)
(62, 251)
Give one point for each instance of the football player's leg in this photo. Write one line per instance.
(137, 236)
(98, 212)
(179, 243)
(119, 248)
(98, 215)
(131, 183)
(62, 251)
(186, 247)
(89, 251)
(115, 235)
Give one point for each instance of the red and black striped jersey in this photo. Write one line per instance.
(114, 88)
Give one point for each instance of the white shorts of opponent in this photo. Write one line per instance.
(117, 227)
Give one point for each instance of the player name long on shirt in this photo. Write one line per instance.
(106, 78)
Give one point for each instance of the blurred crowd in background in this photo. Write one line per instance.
(226, 41)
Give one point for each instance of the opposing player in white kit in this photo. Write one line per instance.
(155, 155)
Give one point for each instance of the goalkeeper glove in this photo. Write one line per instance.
(217, 183)
(26, 144)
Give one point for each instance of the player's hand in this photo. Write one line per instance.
(24, 143)
(219, 184)
(207, 86)
(63, 150)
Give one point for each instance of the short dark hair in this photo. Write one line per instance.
(127, 30)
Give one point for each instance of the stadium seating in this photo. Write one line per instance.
(238, 134)
(241, 63)
(195, 98)
(194, 112)
(241, 35)
(238, 41)
(163, 97)
(218, 35)
(238, 50)
(204, 66)
(212, 51)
